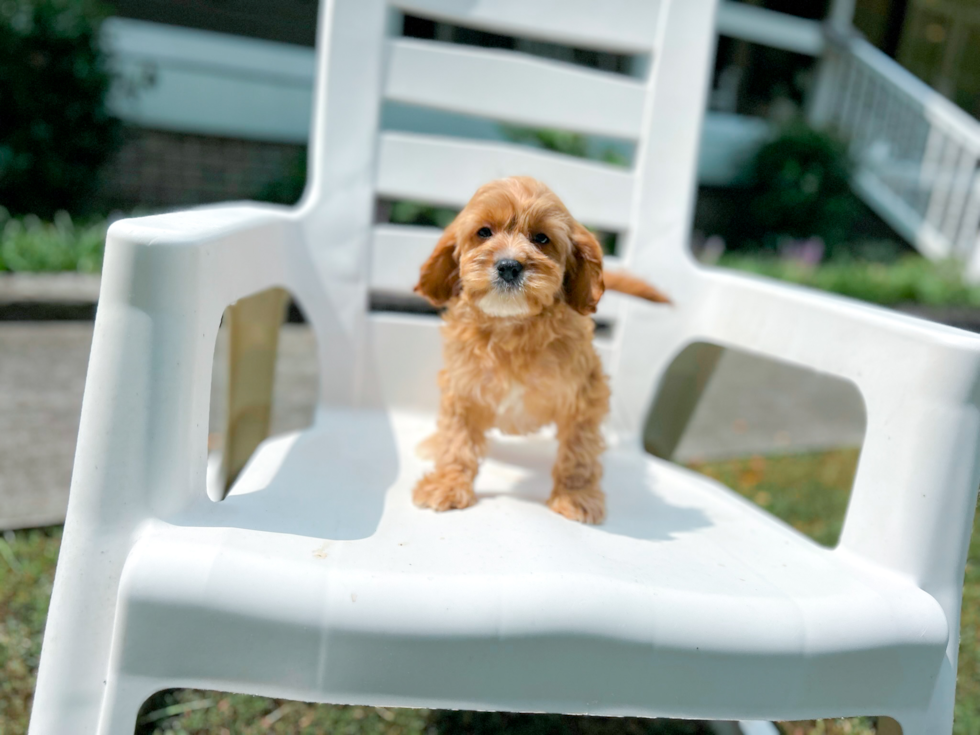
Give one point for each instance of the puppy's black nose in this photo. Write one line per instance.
(509, 270)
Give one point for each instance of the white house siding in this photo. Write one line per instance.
(190, 81)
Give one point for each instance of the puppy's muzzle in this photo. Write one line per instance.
(509, 271)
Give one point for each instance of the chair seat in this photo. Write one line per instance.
(318, 579)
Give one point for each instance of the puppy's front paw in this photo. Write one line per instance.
(444, 489)
(584, 506)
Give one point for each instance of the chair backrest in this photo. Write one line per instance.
(364, 60)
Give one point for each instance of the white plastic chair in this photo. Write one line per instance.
(317, 579)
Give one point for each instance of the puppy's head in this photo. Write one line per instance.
(513, 251)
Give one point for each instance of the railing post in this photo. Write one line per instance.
(841, 16)
(838, 25)
(819, 108)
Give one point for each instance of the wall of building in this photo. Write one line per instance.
(287, 21)
(245, 105)
(159, 169)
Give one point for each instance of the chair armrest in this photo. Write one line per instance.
(166, 281)
(876, 348)
(235, 250)
(913, 500)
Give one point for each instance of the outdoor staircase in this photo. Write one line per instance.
(917, 153)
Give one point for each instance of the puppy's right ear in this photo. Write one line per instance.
(583, 275)
(439, 279)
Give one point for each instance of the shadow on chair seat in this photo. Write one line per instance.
(519, 468)
(328, 482)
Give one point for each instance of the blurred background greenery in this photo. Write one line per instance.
(792, 215)
(55, 129)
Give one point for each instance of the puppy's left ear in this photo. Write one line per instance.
(583, 275)
(439, 278)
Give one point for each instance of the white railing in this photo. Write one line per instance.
(770, 28)
(916, 152)
(191, 81)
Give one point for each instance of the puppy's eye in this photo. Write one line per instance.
(541, 239)
(484, 232)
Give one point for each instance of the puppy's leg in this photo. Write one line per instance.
(460, 443)
(578, 469)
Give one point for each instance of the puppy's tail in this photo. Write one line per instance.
(629, 284)
(428, 448)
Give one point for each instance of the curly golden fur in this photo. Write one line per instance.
(520, 278)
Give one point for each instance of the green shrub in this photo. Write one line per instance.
(562, 141)
(797, 188)
(288, 188)
(28, 244)
(416, 213)
(801, 187)
(55, 130)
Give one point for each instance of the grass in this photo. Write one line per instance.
(32, 245)
(210, 713)
(910, 279)
(27, 561)
(808, 491)
(28, 244)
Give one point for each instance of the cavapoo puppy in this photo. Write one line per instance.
(520, 279)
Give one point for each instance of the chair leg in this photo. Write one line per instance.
(71, 679)
(123, 698)
(76, 693)
(912, 725)
(936, 720)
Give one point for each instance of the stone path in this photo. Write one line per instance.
(42, 373)
(751, 406)
(758, 406)
(42, 376)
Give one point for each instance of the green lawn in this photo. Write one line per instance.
(30, 244)
(912, 279)
(808, 491)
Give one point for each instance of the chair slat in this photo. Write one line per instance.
(514, 87)
(409, 382)
(623, 26)
(398, 252)
(447, 171)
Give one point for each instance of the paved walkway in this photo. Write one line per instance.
(42, 373)
(751, 406)
(758, 406)
(42, 376)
